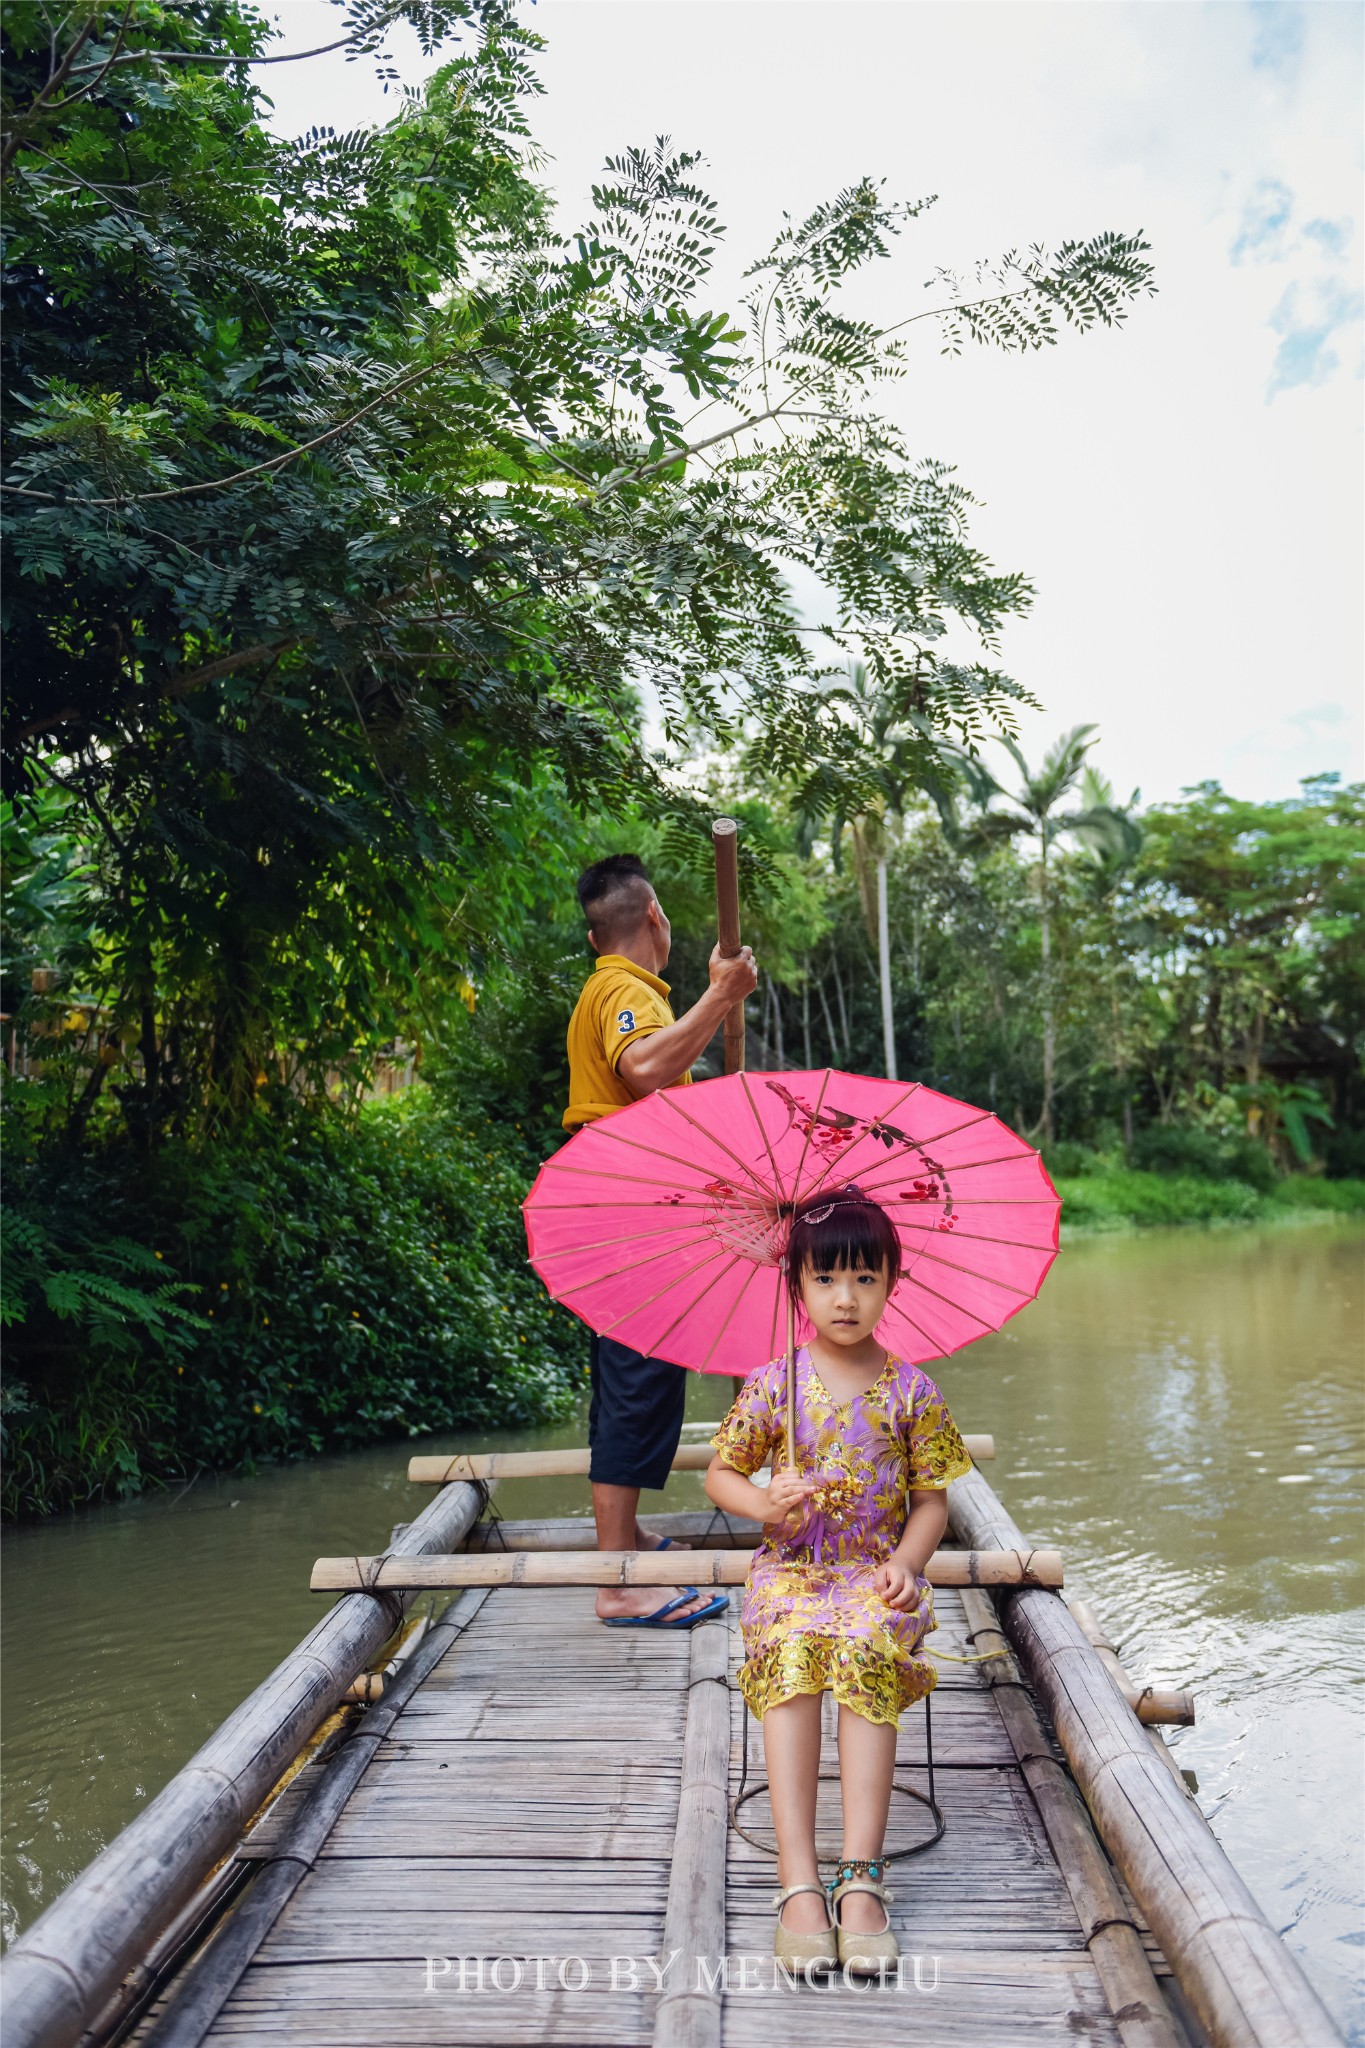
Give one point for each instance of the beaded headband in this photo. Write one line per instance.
(850, 1197)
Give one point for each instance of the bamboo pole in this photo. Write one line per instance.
(1114, 1943)
(572, 1461)
(1245, 1987)
(725, 843)
(704, 1529)
(725, 840)
(1152, 1704)
(59, 1973)
(408, 1574)
(688, 2015)
(199, 1995)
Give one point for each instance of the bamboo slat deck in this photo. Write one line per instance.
(525, 1806)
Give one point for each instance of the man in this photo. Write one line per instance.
(624, 1042)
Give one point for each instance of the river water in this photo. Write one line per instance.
(1181, 1412)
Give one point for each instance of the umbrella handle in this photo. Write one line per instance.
(791, 1377)
(725, 840)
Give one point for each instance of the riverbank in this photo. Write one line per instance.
(1119, 1199)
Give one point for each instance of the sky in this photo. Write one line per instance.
(1184, 491)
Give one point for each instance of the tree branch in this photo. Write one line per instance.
(221, 483)
(13, 141)
(263, 650)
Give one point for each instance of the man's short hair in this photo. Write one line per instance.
(615, 894)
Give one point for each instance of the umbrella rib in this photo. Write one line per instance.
(959, 1307)
(632, 1265)
(753, 1106)
(747, 1282)
(624, 1203)
(970, 1273)
(963, 1166)
(637, 1307)
(601, 1244)
(772, 1330)
(637, 1145)
(1013, 1244)
(843, 1156)
(666, 1095)
(643, 1180)
(916, 1145)
(905, 1315)
(683, 1314)
(800, 1164)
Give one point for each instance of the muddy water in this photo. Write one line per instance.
(1182, 1412)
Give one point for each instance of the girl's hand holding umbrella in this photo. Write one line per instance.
(786, 1496)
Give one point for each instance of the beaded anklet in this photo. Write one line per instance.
(857, 1866)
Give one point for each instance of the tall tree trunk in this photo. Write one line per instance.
(777, 1023)
(862, 864)
(805, 1015)
(884, 963)
(834, 1055)
(843, 1007)
(1049, 1032)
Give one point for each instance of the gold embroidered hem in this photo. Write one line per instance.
(859, 1674)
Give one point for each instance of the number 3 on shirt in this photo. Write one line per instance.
(625, 1020)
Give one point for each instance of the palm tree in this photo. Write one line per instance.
(1106, 829)
(895, 749)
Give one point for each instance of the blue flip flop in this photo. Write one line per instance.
(659, 1618)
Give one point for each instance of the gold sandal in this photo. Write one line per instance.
(865, 1955)
(800, 1951)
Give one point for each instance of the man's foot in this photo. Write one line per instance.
(616, 1603)
(648, 1539)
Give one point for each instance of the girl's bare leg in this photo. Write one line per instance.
(791, 1746)
(867, 1764)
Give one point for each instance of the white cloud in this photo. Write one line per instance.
(1196, 549)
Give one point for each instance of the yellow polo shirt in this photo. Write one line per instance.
(620, 1003)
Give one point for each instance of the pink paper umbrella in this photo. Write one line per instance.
(664, 1224)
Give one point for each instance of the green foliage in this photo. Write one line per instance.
(356, 1280)
(1339, 1197)
(96, 1329)
(1206, 1001)
(1111, 1198)
(1178, 1149)
(1107, 1201)
(350, 511)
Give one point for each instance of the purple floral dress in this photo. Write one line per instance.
(812, 1618)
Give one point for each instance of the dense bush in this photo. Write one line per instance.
(354, 1281)
(1344, 1197)
(1172, 1149)
(1112, 1198)
(1344, 1153)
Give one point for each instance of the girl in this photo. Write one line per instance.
(836, 1599)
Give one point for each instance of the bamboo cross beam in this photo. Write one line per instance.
(1154, 1705)
(387, 1574)
(572, 1461)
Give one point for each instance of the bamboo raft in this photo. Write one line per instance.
(513, 1825)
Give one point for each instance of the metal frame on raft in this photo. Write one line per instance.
(63, 1979)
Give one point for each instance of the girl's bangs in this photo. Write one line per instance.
(853, 1233)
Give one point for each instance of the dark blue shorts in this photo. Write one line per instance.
(636, 1415)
